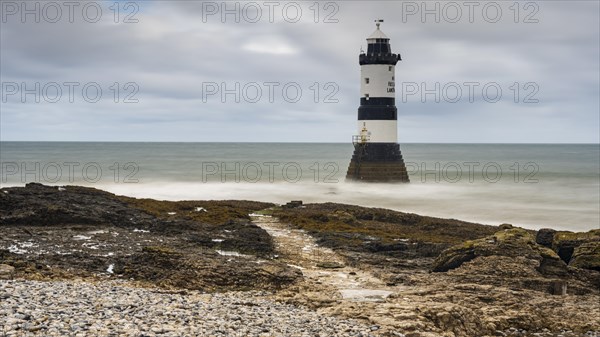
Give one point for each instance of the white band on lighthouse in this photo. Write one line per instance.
(380, 131)
(378, 80)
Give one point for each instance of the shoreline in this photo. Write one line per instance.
(282, 192)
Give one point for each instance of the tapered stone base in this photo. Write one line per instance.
(377, 162)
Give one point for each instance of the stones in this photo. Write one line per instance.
(293, 204)
(559, 288)
(545, 237)
(6, 272)
(157, 312)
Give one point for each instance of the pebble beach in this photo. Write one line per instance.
(114, 308)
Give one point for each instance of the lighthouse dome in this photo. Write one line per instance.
(377, 34)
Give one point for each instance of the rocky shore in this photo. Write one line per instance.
(78, 261)
(57, 233)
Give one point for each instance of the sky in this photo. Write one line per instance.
(193, 71)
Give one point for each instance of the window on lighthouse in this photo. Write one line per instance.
(366, 80)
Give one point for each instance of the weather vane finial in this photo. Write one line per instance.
(378, 22)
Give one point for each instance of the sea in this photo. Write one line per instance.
(528, 185)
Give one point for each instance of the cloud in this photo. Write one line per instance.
(175, 52)
(269, 45)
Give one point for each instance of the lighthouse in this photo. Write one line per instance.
(377, 155)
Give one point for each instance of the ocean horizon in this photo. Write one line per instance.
(529, 185)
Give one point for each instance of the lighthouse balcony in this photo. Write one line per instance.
(379, 58)
(360, 139)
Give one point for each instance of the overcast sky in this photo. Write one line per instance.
(172, 60)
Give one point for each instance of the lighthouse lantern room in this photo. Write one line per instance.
(377, 155)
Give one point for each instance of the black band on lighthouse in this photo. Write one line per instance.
(378, 101)
(386, 152)
(377, 113)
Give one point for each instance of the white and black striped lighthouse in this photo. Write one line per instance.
(377, 155)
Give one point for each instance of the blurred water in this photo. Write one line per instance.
(531, 185)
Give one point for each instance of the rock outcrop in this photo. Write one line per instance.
(513, 257)
(514, 243)
(496, 281)
(565, 243)
(65, 232)
(587, 256)
(381, 231)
